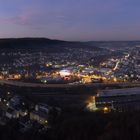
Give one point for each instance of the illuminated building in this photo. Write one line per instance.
(40, 117)
(40, 114)
(118, 99)
(91, 106)
(64, 73)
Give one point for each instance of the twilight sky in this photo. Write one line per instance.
(71, 19)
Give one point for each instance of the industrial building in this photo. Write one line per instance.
(118, 99)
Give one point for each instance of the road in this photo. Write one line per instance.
(35, 85)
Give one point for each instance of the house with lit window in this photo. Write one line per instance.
(42, 111)
(39, 116)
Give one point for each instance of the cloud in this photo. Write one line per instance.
(21, 20)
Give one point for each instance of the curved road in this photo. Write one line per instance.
(33, 85)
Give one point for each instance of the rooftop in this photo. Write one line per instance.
(120, 92)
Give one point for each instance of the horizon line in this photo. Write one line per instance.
(69, 40)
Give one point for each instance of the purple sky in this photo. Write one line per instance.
(71, 19)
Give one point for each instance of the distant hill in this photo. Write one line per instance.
(28, 42)
(37, 43)
(114, 44)
(41, 43)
